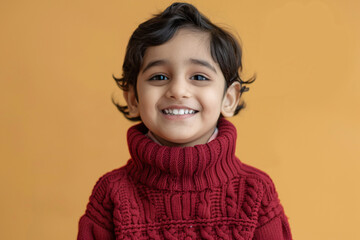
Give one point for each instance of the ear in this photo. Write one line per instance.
(231, 100)
(132, 103)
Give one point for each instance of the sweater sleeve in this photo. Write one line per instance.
(97, 222)
(272, 221)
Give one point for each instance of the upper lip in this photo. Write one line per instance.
(178, 107)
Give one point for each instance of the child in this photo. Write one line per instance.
(183, 181)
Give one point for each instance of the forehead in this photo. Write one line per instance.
(185, 44)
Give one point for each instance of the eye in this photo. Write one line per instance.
(159, 77)
(199, 78)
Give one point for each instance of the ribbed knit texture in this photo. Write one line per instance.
(200, 192)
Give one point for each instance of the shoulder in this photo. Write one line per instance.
(112, 176)
(107, 183)
(263, 184)
(255, 174)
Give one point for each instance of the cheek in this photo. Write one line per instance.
(144, 93)
(213, 98)
(148, 101)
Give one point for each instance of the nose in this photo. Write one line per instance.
(178, 88)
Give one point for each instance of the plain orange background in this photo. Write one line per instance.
(60, 131)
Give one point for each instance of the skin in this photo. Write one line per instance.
(181, 74)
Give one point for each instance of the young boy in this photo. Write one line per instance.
(183, 181)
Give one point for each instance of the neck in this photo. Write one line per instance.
(171, 144)
(183, 168)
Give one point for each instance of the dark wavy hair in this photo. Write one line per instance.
(225, 49)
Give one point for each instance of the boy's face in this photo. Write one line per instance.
(181, 90)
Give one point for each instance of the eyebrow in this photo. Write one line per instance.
(191, 60)
(153, 64)
(203, 63)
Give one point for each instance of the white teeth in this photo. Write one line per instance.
(178, 111)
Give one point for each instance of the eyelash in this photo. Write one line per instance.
(161, 77)
(203, 78)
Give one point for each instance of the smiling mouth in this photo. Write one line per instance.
(179, 111)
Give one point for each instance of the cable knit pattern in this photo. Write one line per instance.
(200, 192)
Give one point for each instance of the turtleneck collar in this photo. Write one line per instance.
(183, 168)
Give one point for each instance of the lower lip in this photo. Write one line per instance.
(178, 117)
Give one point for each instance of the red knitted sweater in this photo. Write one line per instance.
(200, 192)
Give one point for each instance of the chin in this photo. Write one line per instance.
(178, 141)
